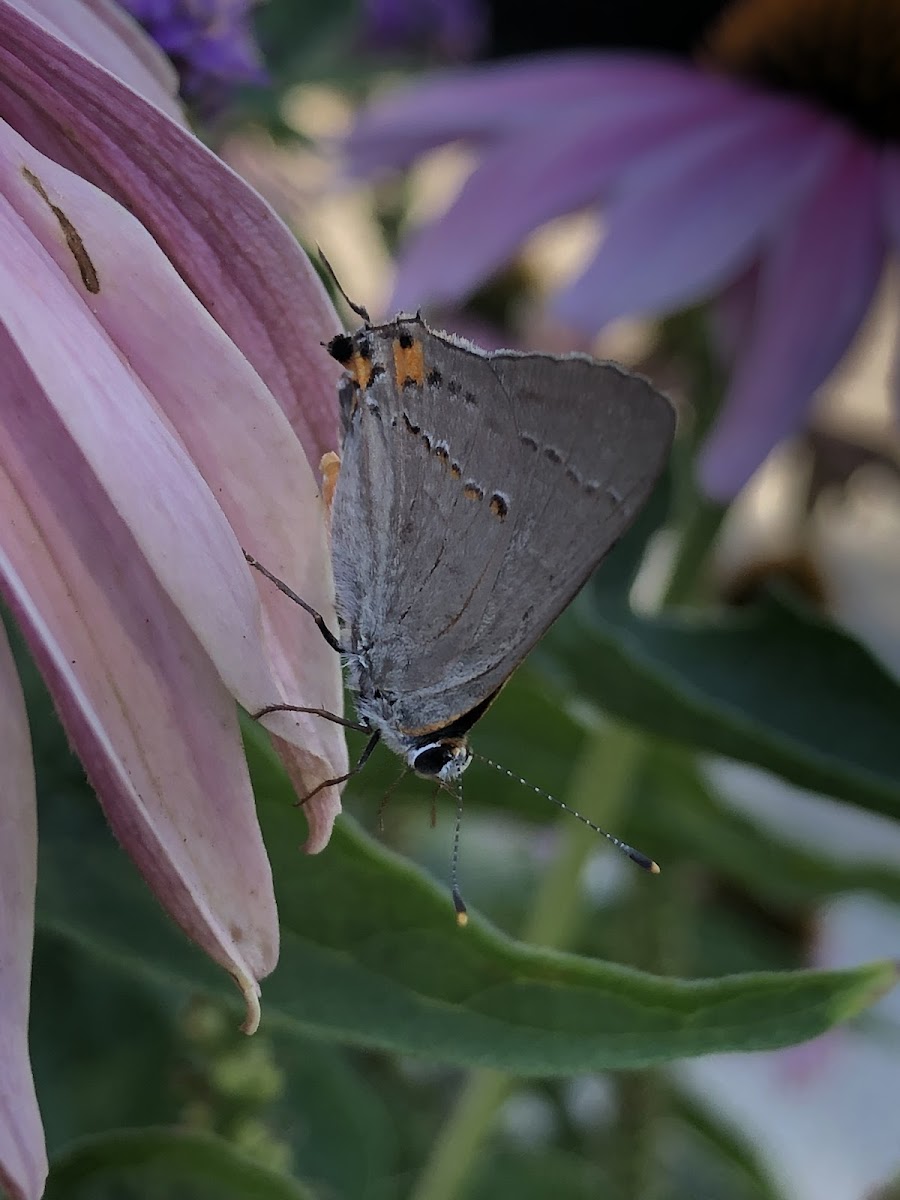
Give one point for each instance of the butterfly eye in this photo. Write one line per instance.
(433, 759)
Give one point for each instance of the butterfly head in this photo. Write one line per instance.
(444, 759)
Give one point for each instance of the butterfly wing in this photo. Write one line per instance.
(477, 493)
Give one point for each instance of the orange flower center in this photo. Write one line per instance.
(845, 54)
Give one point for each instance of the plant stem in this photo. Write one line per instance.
(599, 790)
(697, 535)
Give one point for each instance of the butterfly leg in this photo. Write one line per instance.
(318, 712)
(292, 595)
(361, 762)
(383, 803)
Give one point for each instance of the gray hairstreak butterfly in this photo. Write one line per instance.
(477, 492)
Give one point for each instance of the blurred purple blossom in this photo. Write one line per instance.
(711, 187)
(211, 43)
(452, 28)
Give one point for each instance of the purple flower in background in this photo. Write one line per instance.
(210, 42)
(452, 28)
(768, 176)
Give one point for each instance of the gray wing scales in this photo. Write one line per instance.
(476, 503)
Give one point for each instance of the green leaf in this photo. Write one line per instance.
(775, 687)
(371, 955)
(156, 1164)
(102, 1043)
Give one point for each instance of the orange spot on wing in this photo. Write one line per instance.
(409, 363)
(361, 369)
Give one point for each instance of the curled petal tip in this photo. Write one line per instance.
(250, 990)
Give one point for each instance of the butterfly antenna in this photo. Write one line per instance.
(635, 855)
(357, 308)
(462, 915)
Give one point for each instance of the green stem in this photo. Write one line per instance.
(599, 790)
(698, 532)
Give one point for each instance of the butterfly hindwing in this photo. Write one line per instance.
(477, 492)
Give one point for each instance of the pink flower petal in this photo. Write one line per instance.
(224, 240)
(141, 701)
(816, 283)
(537, 175)
(691, 215)
(23, 1159)
(731, 316)
(108, 35)
(237, 437)
(485, 103)
(111, 540)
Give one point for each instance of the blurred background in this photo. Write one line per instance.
(765, 866)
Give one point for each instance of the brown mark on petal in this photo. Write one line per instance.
(86, 268)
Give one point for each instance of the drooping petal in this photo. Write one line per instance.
(223, 239)
(239, 440)
(691, 215)
(100, 29)
(110, 539)
(731, 316)
(23, 1159)
(540, 174)
(484, 103)
(816, 283)
(142, 703)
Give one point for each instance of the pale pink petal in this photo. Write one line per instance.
(140, 699)
(224, 240)
(242, 444)
(134, 37)
(816, 283)
(113, 39)
(485, 103)
(691, 215)
(110, 538)
(537, 175)
(23, 1159)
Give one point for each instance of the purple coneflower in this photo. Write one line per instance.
(165, 402)
(767, 173)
